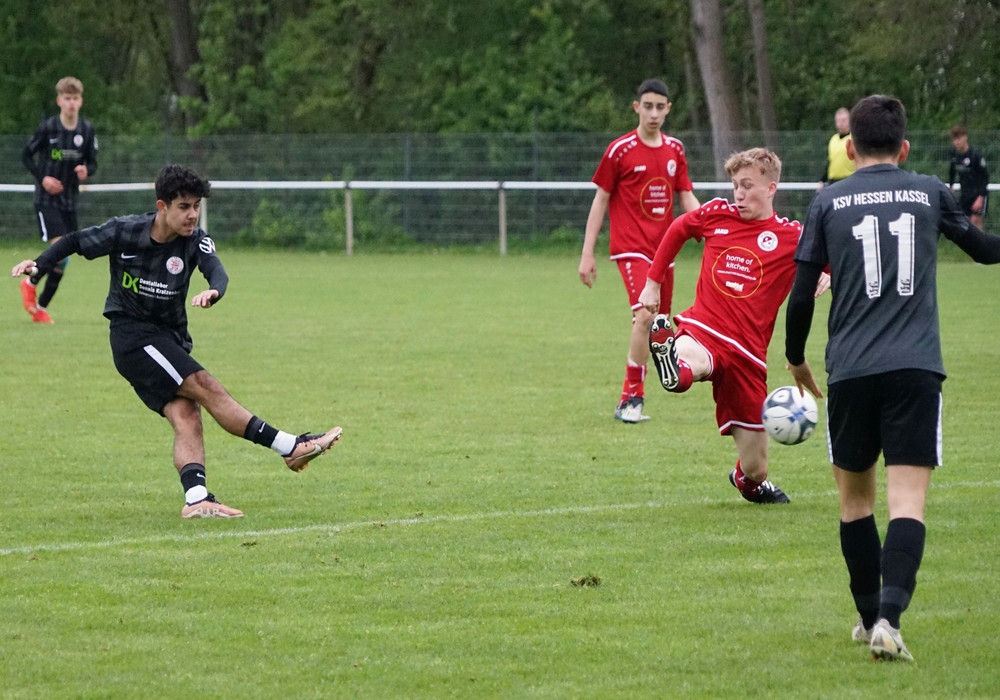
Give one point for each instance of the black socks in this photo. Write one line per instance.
(862, 550)
(260, 432)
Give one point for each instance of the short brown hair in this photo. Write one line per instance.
(959, 130)
(765, 161)
(69, 86)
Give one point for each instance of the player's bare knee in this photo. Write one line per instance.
(184, 415)
(201, 386)
(642, 318)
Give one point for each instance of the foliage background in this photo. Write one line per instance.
(329, 66)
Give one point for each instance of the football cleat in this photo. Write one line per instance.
(41, 316)
(309, 447)
(661, 347)
(766, 492)
(210, 508)
(630, 410)
(860, 633)
(887, 643)
(28, 299)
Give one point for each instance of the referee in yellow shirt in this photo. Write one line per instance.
(838, 165)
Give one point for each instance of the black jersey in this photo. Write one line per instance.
(878, 231)
(149, 280)
(969, 170)
(55, 151)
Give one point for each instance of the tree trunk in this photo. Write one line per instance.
(762, 64)
(184, 54)
(706, 27)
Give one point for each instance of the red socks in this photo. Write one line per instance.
(746, 485)
(635, 377)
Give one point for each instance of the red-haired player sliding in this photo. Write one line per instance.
(747, 268)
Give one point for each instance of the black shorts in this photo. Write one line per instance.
(895, 413)
(153, 360)
(969, 211)
(54, 223)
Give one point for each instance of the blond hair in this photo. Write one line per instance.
(69, 86)
(763, 160)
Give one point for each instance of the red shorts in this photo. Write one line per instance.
(739, 384)
(634, 272)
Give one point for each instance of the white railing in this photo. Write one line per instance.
(500, 186)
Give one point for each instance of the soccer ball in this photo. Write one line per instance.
(789, 417)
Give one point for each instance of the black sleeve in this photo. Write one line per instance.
(980, 246)
(66, 245)
(90, 156)
(215, 274)
(984, 177)
(799, 312)
(28, 154)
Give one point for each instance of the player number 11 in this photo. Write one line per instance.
(867, 233)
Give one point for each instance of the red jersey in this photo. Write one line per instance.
(642, 182)
(747, 269)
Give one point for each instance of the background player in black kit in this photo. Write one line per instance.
(151, 258)
(61, 155)
(878, 231)
(968, 168)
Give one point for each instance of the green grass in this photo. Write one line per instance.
(432, 553)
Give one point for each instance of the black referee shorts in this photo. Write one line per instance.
(896, 413)
(153, 361)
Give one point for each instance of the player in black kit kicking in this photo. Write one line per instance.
(151, 258)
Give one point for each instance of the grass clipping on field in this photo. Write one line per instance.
(588, 581)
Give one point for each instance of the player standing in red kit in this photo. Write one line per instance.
(637, 181)
(747, 269)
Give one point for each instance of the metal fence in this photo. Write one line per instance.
(375, 191)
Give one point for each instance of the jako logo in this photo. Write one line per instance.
(721, 231)
(130, 282)
(639, 169)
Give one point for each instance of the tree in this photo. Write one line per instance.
(762, 66)
(310, 66)
(184, 56)
(440, 65)
(706, 27)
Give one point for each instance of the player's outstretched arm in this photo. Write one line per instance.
(649, 297)
(595, 220)
(205, 299)
(25, 267)
(822, 285)
(803, 377)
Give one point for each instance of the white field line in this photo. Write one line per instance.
(331, 528)
(334, 528)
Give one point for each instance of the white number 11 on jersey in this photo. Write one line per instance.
(867, 233)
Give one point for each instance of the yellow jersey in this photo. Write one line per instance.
(838, 164)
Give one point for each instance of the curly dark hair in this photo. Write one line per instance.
(176, 180)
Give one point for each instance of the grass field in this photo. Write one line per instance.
(433, 552)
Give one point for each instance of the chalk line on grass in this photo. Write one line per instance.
(467, 517)
(325, 527)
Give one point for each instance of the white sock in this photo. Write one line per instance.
(195, 494)
(283, 443)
